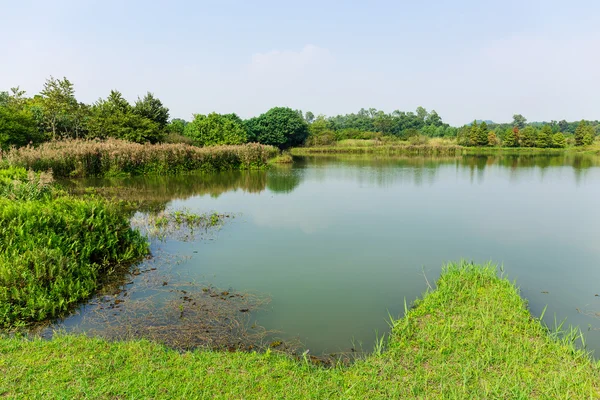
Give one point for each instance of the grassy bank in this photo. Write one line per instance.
(433, 147)
(78, 158)
(472, 337)
(55, 249)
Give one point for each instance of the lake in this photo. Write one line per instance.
(339, 243)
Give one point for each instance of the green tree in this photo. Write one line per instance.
(473, 134)
(510, 138)
(422, 113)
(58, 102)
(482, 134)
(580, 132)
(309, 117)
(519, 121)
(434, 119)
(280, 126)
(492, 140)
(383, 123)
(216, 129)
(152, 108)
(176, 125)
(528, 136)
(559, 141)
(544, 137)
(17, 127)
(114, 117)
(588, 137)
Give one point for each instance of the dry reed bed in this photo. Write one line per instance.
(79, 158)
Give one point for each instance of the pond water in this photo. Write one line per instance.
(339, 243)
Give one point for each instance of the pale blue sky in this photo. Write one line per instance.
(466, 59)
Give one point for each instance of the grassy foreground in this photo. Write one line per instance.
(472, 337)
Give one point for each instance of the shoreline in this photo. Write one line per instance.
(472, 336)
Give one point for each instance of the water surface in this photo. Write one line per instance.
(338, 243)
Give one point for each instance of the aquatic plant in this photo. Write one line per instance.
(54, 254)
(80, 158)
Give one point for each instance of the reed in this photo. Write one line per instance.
(79, 158)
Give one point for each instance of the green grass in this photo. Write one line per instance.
(435, 147)
(472, 337)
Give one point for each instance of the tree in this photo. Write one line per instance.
(473, 134)
(584, 134)
(215, 129)
(176, 125)
(152, 108)
(422, 113)
(482, 134)
(58, 101)
(544, 137)
(309, 117)
(383, 123)
(519, 121)
(17, 127)
(492, 139)
(528, 136)
(558, 140)
(114, 117)
(280, 126)
(510, 138)
(588, 138)
(434, 119)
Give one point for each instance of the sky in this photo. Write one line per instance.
(467, 59)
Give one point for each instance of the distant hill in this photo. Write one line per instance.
(479, 121)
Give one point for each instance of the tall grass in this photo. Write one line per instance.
(78, 158)
(54, 253)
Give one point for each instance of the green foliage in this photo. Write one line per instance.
(588, 138)
(216, 129)
(492, 139)
(519, 121)
(584, 134)
(510, 138)
(17, 184)
(59, 107)
(559, 141)
(53, 254)
(152, 108)
(280, 126)
(482, 134)
(528, 136)
(176, 125)
(17, 127)
(115, 118)
(544, 137)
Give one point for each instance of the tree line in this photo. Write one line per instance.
(55, 113)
